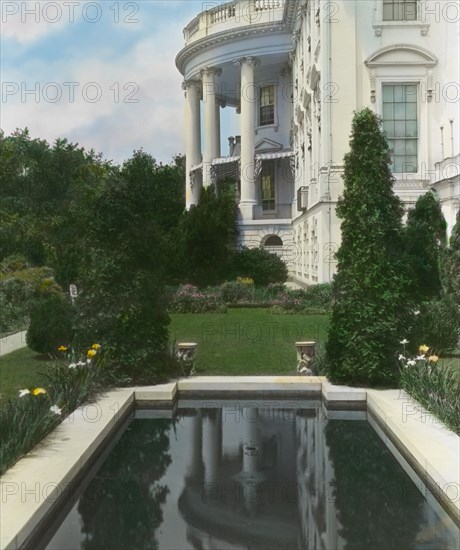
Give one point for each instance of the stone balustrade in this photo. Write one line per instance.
(233, 15)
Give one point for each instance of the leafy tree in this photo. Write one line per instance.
(425, 236)
(208, 230)
(45, 194)
(259, 265)
(451, 267)
(371, 286)
(167, 183)
(121, 303)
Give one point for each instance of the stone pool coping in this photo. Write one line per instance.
(34, 485)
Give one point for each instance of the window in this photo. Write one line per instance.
(273, 240)
(267, 106)
(400, 125)
(399, 10)
(268, 187)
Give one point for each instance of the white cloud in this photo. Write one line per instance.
(113, 123)
(29, 21)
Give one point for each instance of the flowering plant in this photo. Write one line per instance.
(189, 299)
(433, 382)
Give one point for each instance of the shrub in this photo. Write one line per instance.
(372, 281)
(425, 238)
(451, 266)
(259, 265)
(319, 296)
(273, 289)
(15, 262)
(234, 291)
(290, 301)
(438, 322)
(19, 289)
(188, 299)
(315, 300)
(50, 323)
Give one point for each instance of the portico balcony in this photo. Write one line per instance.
(232, 15)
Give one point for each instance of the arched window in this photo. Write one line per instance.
(272, 240)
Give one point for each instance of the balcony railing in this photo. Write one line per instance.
(280, 212)
(233, 14)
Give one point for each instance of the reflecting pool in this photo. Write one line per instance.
(284, 475)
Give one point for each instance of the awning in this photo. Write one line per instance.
(275, 155)
(230, 166)
(225, 167)
(224, 160)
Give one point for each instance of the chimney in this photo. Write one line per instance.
(237, 149)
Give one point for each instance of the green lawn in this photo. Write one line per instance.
(247, 341)
(239, 342)
(20, 369)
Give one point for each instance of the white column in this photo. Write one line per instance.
(218, 107)
(210, 152)
(196, 462)
(212, 445)
(192, 140)
(251, 476)
(248, 98)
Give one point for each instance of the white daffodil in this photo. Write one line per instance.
(81, 364)
(420, 358)
(417, 312)
(22, 393)
(73, 366)
(403, 342)
(411, 363)
(401, 357)
(55, 409)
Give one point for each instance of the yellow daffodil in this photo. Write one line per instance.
(423, 348)
(96, 346)
(38, 391)
(433, 358)
(62, 348)
(91, 353)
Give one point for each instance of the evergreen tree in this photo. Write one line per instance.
(451, 268)
(425, 236)
(371, 286)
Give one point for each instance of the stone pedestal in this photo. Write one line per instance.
(306, 354)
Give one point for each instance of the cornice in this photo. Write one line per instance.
(226, 36)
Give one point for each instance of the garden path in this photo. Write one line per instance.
(12, 342)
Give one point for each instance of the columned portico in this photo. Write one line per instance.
(192, 139)
(211, 122)
(248, 114)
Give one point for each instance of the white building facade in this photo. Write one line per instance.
(295, 71)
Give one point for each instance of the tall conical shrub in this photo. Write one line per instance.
(425, 236)
(371, 286)
(451, 268)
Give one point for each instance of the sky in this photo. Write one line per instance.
(99, 73)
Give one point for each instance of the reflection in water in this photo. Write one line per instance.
(121, 507)
(253, 476)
